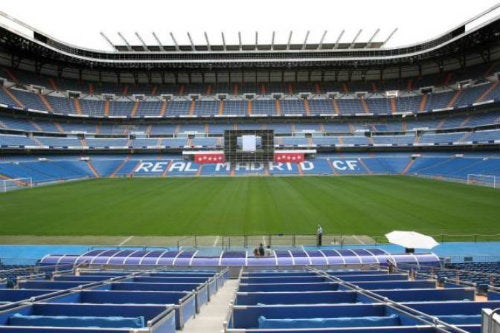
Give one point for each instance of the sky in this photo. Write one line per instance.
(80, 22)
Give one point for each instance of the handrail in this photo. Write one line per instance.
(487, 326)
(418, 315)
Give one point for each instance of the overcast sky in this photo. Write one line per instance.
(79, 22)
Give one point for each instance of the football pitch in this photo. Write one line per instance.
(359, 205)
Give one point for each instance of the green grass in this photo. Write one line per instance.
(249, 205)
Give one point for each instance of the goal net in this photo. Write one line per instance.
(483, 180)
(15, 184)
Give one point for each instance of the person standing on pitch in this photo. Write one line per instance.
(319, 236)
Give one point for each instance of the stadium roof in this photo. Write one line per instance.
(471, 42)
(126, 46)
(80, 25)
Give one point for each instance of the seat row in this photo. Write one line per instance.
(320, 105)
(184, 142)
(445, 166)
(89, 87)
(398, 125)
(107, 300)
(351, 301)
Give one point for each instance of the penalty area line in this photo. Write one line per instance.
(125, 241)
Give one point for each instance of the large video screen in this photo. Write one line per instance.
(249, 145)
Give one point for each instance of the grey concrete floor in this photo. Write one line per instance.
(213, 314)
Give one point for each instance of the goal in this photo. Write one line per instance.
(483, 180)
(15, 184)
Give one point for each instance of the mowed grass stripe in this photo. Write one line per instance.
(358, 205)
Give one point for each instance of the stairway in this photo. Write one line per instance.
(336, 106)
(278, 107)
(191, 107)
(365, 105)
(53, 84)
(393, 105)
(423, 103)
(45, 102)
(454, 99)
(125, 160)
(163, 108)
(135, 108)
(214, 313)
(407, 167)
(249, 107)
(306, 107)
(78, 107)
(13, 97)
(220, 110)
(487, 92)
(94, 171)
(106, 108)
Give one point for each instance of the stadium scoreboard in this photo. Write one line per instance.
(249, 145)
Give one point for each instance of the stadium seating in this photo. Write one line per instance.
(331, 300)
(19, 124)
(93, 107)
(321, 106)
(235, 107)
(347, 304)
(120, 108)
(458, 123)
(29, 99)
(484, 136)
(149, 108)
(441, 138)
(403, 140)
(109, 298)
(482, 276)
(106, 143)
(433, 165)
(63, 84)
(455, 111)
(428, 114)
(178, 108)
(6, 98)
(292, 107)
(7, 140)
(266, 107)
(64, 105)
(409, 104)
(60, 141)
(379, 106)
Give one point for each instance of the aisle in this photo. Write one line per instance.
(213, 314)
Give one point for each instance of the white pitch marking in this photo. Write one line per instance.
(358, 239)
(125, 241)
(216, 241)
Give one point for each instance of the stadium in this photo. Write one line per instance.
(250, 187)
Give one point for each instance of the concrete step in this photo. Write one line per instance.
(213, 314)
